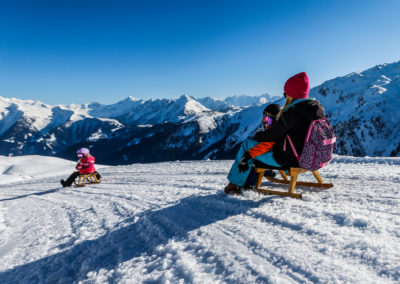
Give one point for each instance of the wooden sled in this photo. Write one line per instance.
(293, 173)
(91, 178)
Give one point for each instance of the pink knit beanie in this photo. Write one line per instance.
(298, 86)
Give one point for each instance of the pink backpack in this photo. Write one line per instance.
(318, 146)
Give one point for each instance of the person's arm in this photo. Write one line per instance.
(277, 131)
(88, 162)
(261, 148)
(79, 165)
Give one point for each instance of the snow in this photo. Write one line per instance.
(21, 168)
(363, 108)
(42, 116)
(97, 136)
(171, 223)
(39, 113)
(150, 111)
(205, 122)
(236, 101)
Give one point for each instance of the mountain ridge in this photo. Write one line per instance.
(32, 127)
(362, 107)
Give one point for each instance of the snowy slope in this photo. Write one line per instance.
(363, 108)
(171, 223)
(13, 169)
(24, 168)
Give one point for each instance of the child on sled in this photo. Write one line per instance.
(269, 116)
(84, 166)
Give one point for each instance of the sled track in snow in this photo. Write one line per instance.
(183, 227)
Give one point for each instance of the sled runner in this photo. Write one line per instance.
(91, 178)
(293, 173)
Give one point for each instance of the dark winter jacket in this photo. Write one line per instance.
(294, 121)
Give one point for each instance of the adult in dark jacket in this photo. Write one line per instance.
(293, 120)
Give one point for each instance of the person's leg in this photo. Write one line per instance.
(234, 176)
(268, 159)
(70, 180)
(251, 180)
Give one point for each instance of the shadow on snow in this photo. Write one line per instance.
(140, 237)
(31, 194)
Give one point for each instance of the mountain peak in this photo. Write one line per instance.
(184, 98)
(132, 99)
(189, 106)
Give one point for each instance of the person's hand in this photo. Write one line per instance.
(244, 162)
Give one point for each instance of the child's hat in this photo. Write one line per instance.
(83, 151)
(272, 109)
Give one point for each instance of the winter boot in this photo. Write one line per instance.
(251, 181)
(270, 173)
(98, 176)
(63, 183)
(70, 179)
(232, 189)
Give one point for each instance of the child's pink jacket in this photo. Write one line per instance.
(86, 165)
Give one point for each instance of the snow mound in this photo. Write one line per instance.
(14, 169)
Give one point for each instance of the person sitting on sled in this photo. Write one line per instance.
(293, 119)
(270, 113)
(84, 166)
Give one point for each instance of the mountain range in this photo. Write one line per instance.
(132, 130)
(362, 108)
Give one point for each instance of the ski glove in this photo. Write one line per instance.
(243, 163)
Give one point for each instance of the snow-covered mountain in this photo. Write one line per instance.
(131, 130)
(236, 101)
(363, 108)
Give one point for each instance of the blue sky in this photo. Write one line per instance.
(62, 52)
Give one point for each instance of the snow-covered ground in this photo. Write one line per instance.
(171, 223)
(13, 169)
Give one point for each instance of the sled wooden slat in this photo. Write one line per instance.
(91, 178)
(291, 180)
(275, 192)
(303, 183)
